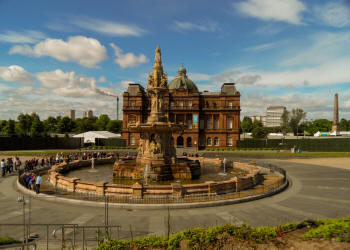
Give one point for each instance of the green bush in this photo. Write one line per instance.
(8, 240)
(337, 228)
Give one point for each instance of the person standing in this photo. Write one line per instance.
(37, 183)
(2, 165)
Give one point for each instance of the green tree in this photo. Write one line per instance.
(115, 126)
(295, 117)
(102, 121)
(259, 132)
(246, 124)
(322, 125)
(2, 125)
(50, 125)
(65, 125)
(36, 127)
(285, 122)
(343, 125)
(9, 128)
(24, 124)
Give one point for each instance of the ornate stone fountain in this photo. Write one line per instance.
(156, 158)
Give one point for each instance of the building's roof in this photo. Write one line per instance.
(182, 81)
(276, 107)
(97, 134)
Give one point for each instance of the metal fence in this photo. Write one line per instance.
(59, 236)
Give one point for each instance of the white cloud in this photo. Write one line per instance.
(261, 47)
(28, 36)
(102, 79)
(107, 27)
(209, 26)
(324, 74)
(333, 14)
(128, 60)
(236, 76)
(83, 50)
(68, 84)
(124, 84)
(276, 10)
(319, 48)
(15, 73)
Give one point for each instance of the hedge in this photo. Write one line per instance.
(33, 143)
(312, 145)
(112, 142)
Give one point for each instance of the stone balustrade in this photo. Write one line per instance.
(57, 178)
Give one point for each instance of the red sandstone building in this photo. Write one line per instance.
(210, 119)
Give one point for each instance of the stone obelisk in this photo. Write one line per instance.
(335, 125)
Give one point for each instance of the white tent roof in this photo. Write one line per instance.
(90, 136)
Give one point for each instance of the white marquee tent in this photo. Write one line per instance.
(90, 137)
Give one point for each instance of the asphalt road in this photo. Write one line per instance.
(314, 192)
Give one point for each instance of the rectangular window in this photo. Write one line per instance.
(208, 141)
(216, 124)
(189, 124)
(216, 141)
(132, 140)
(181, 104)
(208, 124)
(230, 123)
(201, 124)
(230, 104)
(172, 104)
(229, 141)
(132, 103)
(132, 119)
(189, 104)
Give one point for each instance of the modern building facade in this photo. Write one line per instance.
(88, 113)
(70, 113)
(273, 116)
(259, 118)
(210, 119)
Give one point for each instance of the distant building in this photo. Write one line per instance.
(210, 119)
(70, 113)
(273, 116)
(87, 114)
(259, 118)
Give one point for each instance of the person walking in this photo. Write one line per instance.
(37, 183)
(2, 165)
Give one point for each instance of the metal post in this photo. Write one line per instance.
(24, 222)
(73, 236)
(83, 238)
(47, 237)
(63, 239)
(30, 214)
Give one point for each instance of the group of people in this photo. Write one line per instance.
(10, 165)
(32, 181)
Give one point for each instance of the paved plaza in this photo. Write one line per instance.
(314, 192)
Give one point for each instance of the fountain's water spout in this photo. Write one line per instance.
(93, 170)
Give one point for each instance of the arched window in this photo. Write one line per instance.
(180, 141)
(189, 142)
(216, 141)
(229, 141)
(132, 119)
(132, 140)
(201, 140)
(209, 141)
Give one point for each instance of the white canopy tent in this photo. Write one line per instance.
(90, 137)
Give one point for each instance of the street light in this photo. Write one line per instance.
(22, 200)
(26, 229)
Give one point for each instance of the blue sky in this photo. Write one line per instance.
(59, 55)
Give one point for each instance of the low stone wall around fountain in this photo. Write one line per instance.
(252, 178)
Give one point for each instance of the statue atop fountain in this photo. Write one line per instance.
(156, 146)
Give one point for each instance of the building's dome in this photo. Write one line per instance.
(182, 81)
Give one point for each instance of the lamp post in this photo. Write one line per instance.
(25, 238)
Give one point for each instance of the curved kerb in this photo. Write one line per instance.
(154, 206)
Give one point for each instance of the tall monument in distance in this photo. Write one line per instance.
(156, 156)
(335, 125)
